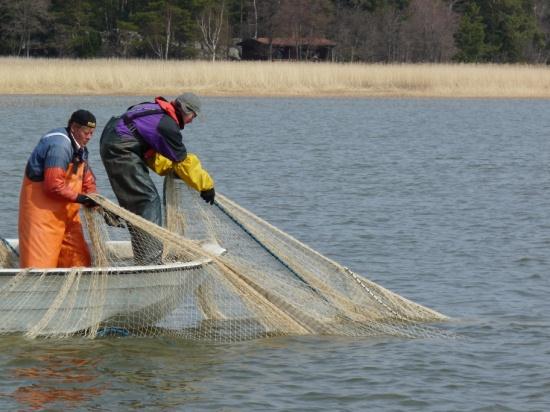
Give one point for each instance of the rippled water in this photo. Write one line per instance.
(446, 202)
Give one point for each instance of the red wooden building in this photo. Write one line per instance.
(279, 48)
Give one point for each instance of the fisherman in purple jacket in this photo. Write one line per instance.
(147, 137)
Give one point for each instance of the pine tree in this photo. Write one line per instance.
(470, 37)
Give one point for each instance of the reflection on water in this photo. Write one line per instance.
(76, 373)
(53, 383)
(59, 376)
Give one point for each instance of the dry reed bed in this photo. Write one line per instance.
(153, 77)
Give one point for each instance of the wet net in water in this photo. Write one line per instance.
(213, 273)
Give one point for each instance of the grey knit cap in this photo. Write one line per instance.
(190, 102)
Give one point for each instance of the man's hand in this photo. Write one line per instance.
(85, 200)
(209, 195)
(111, 219)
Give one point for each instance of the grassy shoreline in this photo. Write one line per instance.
(275, 79)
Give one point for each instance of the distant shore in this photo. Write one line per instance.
(277, 79)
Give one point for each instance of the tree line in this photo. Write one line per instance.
(499, 31)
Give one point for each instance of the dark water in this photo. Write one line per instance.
(446, 202)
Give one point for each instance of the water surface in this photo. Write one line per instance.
(445, 202)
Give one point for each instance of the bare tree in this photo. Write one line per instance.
(158, 25)
(429, 31)
(351, 32)
(160, 42)
(26, 18)
(255, 18)
(541, 9)
(265, 15)
(299, 19)
(385, 36)
(211, 22)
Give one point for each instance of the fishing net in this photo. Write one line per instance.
(213, 273)
(8, 255)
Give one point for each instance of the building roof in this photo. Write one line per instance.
(293, 41)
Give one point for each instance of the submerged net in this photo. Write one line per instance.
(8, 255)
(213, 273)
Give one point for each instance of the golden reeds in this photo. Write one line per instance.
(152, 77)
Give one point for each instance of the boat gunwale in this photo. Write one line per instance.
(110, 270)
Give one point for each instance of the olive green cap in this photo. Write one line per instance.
(189, 102)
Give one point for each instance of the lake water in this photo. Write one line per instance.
(446, 202)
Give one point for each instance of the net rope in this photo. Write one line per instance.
(212, 273)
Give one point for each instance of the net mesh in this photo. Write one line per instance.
(213, 273)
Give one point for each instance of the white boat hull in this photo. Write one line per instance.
(62, 302)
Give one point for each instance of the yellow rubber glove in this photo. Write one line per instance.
(189, 170)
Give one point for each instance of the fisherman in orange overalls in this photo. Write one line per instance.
(57, 178)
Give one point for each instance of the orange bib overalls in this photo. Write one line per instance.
(50, 231)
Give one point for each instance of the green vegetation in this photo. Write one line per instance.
(495, 31)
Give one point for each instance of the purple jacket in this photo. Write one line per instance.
(155, 128)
